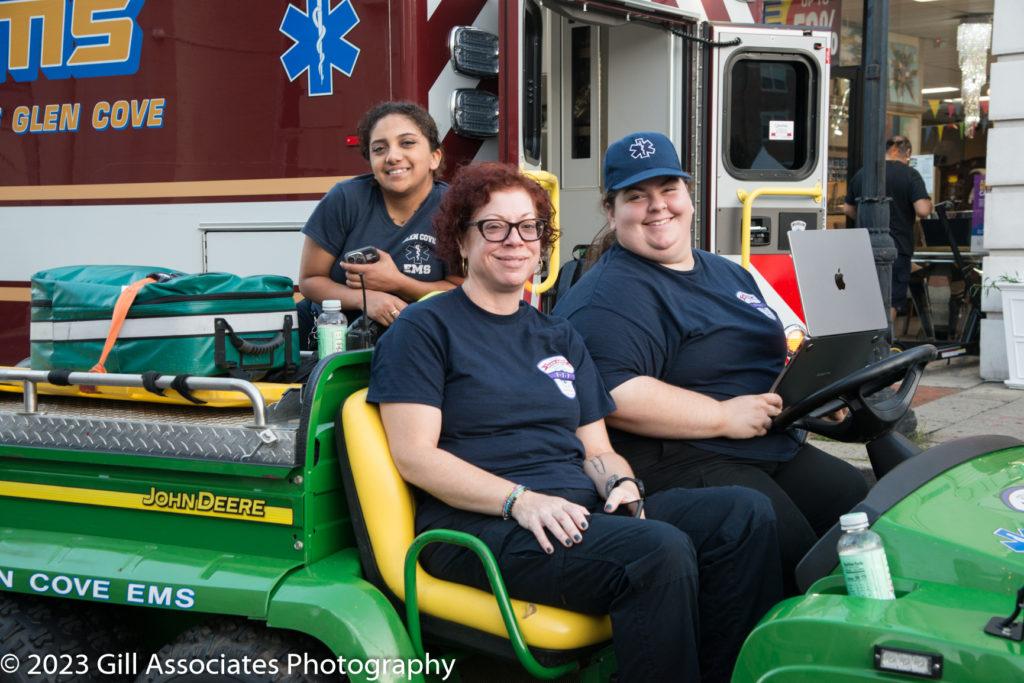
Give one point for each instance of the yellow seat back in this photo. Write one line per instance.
(388, 510)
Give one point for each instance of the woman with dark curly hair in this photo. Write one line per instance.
(495, 412)
(392, 209)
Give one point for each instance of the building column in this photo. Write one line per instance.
(1004, 201)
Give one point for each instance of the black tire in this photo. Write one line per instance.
(76, 633)
(228, 641)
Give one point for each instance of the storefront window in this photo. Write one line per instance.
(843, 138)
(924, 101)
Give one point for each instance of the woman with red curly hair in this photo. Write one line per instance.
(495, 412)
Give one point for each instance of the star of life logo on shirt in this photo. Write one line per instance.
(756, 303)
(417, 254)
(641, 148)
(559, 369)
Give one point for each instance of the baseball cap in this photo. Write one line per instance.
(638, 157)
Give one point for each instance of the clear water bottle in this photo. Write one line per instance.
(330, 329)
(862, 557)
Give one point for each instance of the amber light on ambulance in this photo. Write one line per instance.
(794, 337)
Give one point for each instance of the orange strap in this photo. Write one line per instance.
(124, 302)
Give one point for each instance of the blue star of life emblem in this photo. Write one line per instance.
(1012, 540)
(641, 148)
(319, 43)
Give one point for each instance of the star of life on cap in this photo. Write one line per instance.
(638, 157)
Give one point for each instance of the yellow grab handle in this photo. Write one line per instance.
(748, 202)
(550, 184)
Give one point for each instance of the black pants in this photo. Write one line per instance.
(308, 312)
(901, 268)
(808, 493)
(683, 587)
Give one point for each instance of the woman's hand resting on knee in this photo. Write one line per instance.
(625, 494)
(541, 514)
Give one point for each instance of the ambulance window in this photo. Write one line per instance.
(770, 132)
(580, 88)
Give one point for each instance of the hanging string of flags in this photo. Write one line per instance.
(954, 115)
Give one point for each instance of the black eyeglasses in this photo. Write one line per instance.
(496, 230)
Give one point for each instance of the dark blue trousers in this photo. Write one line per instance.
(683, 587)
(808, 492)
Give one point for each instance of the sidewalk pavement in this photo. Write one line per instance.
(952, 401)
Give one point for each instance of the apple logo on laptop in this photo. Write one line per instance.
(840, 282)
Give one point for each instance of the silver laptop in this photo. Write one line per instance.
(835, 270)
(846, 321)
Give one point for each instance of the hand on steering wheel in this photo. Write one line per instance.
(864, 421)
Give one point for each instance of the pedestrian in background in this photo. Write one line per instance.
(908, 201)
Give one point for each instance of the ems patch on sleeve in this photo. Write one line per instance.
(756, 303)
(559, 369)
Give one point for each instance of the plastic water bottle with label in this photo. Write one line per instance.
(331, 326)
(862, 557)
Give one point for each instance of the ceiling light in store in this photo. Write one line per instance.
(936, 91)
(972, 42)
(983, 98)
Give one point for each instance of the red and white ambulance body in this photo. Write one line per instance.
(198, 135)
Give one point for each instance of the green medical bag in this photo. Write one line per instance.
(179, 324)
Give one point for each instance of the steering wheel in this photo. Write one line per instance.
(865, 421)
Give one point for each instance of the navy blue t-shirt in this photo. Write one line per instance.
(706, 329)
(512, 389)
(352, 215)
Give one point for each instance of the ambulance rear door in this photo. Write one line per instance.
(768, 103)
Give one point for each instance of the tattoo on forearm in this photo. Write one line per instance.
(598, 465)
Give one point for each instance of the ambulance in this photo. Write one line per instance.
(198, 136)
(145, 542)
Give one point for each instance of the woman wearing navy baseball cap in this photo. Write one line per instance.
(495, 412)
(689, 349)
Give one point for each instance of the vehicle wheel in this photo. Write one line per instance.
(224, 644)
(75, 633)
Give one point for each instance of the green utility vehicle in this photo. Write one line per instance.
(154, 543)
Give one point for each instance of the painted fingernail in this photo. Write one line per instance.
(549, 550)
(577, 538)
(608, 507)
(584, 525)
(568, 543)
